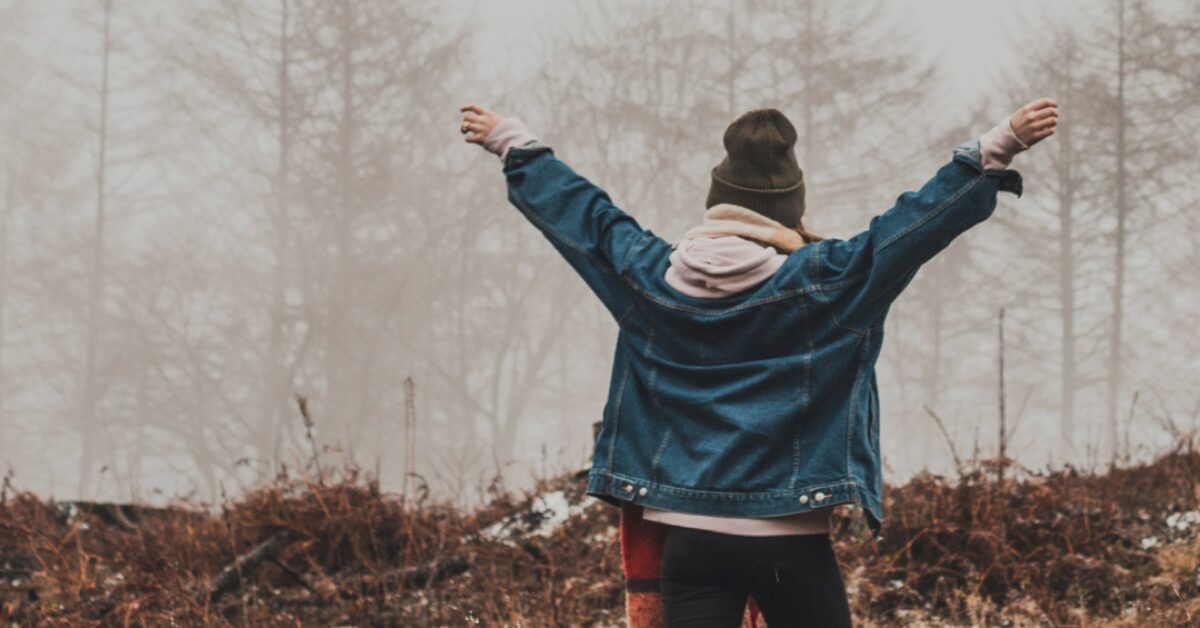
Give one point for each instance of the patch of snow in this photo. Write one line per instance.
(546, 514)
(556, 510)
(601, 538)
(1182, 521)
(1149, 542)
(68, 510)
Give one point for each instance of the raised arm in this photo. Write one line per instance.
(887, 255)
(579, 218)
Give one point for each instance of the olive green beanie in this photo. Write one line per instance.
(759, 170)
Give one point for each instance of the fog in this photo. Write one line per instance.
(243, 237)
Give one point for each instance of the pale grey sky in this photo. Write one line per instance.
(971, 40)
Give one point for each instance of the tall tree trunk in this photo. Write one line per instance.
(933, 375)
(1066, 266)
(10, 201)
(275, 372)
(342, 357)
(95, 312)
(807, 103)
(734, 65)
(1118, 293)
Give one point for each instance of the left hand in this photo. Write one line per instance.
(478, 121)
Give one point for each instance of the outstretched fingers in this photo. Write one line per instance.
(1040, 104)
(1042, 134)
(1030, 115)
(1035, 121)
(473, 122)
(478, 121)
(1043, 123)
(1049, 112)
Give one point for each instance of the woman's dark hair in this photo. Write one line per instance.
(809, 235)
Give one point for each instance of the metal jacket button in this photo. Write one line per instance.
(819, 496)
(642, 491)
(628, 488)
(804, 499)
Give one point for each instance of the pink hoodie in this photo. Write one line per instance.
(722, 266)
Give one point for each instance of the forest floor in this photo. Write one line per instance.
(1059, 548)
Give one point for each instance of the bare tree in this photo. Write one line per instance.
(88, 399)
(1140, 164)
(237, 46)
(342, 211)
(1069, 210)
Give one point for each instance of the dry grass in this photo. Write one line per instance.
(1058, 549)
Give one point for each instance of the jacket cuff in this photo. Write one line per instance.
(524, 152)
(999, 145)
(970, 153)
(970, 150)
(510, 132)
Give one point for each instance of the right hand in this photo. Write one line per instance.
(1036, 121)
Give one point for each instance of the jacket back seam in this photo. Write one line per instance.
(816, 287)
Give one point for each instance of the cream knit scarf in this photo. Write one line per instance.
(725, 219)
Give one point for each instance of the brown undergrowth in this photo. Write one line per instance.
(1052, 549)
(1115, 549)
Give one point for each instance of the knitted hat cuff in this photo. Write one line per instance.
(785, 206)
(798, 184)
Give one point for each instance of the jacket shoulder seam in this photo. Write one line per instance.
(682, 307)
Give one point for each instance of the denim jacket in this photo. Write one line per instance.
(765, 402)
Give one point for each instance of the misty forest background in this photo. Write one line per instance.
(210, 207)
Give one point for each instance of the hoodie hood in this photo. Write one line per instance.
(726, 219)
(721, 266)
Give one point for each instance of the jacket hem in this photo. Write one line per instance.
(617, 488)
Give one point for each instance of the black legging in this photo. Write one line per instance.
(707, 575)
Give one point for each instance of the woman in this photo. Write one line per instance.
(743, 401)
